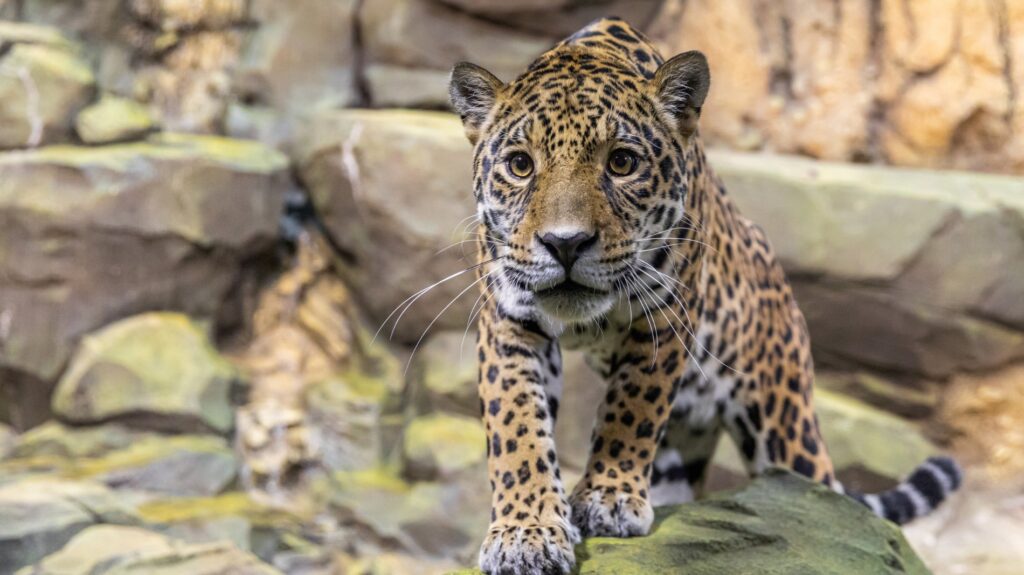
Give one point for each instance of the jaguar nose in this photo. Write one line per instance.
(567, 247)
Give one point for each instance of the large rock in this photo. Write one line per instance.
(895, 81)
(43, 83)
(405, 34)
(157, 370)
(94, 234)
(123, 458)
(111, 549)
(443, 374)
(394, 223)
(781, 523)
(937, 294)
(41, 515)
(301, 56)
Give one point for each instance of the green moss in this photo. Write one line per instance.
(781, 524)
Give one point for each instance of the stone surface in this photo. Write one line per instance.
(443, 520)
(43, 83)
(111, 549)
(113, 119)
(91, 235)
(301, 55)
(934, 295)
(907, 82)
(441, 446)
(157, 370)
(125, 459)
(41, 515)
(406, 34)
(395, 223)
(443, 374)
(780, 524)
(7, 438)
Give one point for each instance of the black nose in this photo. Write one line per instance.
(567, 248)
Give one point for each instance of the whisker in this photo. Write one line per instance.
(439, 314)
(407, 303)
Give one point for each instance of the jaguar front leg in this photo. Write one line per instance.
(520, 382)
(613, 497)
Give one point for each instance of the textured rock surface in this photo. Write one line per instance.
(442, 445)
(908, 82)
(43, 83)
(157, 369)
(125, 459)
(113, 119)
(382, 216)
(41, 515)
(110, 549)
(780, 524)
(92, 235)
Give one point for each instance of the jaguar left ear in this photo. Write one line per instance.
(473, 92)
(682, 84)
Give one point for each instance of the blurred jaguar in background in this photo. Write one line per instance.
(602, 227)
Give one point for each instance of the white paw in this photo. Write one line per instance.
(607, 512)
(529, 550)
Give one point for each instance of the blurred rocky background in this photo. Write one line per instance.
(209, 207)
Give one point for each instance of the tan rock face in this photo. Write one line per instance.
(919, 82)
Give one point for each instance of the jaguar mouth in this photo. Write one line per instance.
(570, 289)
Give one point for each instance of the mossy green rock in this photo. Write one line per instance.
(442, 445)
(156, 370)
(781, 524)
(113, 119)
(125, 458)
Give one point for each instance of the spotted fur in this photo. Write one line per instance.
(677, 299)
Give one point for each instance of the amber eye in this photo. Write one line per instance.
(622, 162)
(520, 165)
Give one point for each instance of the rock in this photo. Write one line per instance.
(404, 34)
(442, 520)
(781, 523)
(156, 370)
(443, 375)
(392, 222)
(947, 274)
(7, 438)
(102, 233)
(897, 82)
(41, 515)
(113, 119)
(125, 459)
(302, 55)
(403, 87)
(442, 445)
(354, 419)
(43, 83)
(323, 393)
(911, 398)
(110, 549)
(236, 517)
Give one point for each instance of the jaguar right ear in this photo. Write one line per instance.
(473, 92)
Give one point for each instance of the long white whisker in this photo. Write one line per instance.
(439, 314)
(412, 299)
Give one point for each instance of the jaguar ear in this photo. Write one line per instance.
(473, 92)
(682, 84)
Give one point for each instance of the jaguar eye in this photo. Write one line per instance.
(520, 165)
(622, 162)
